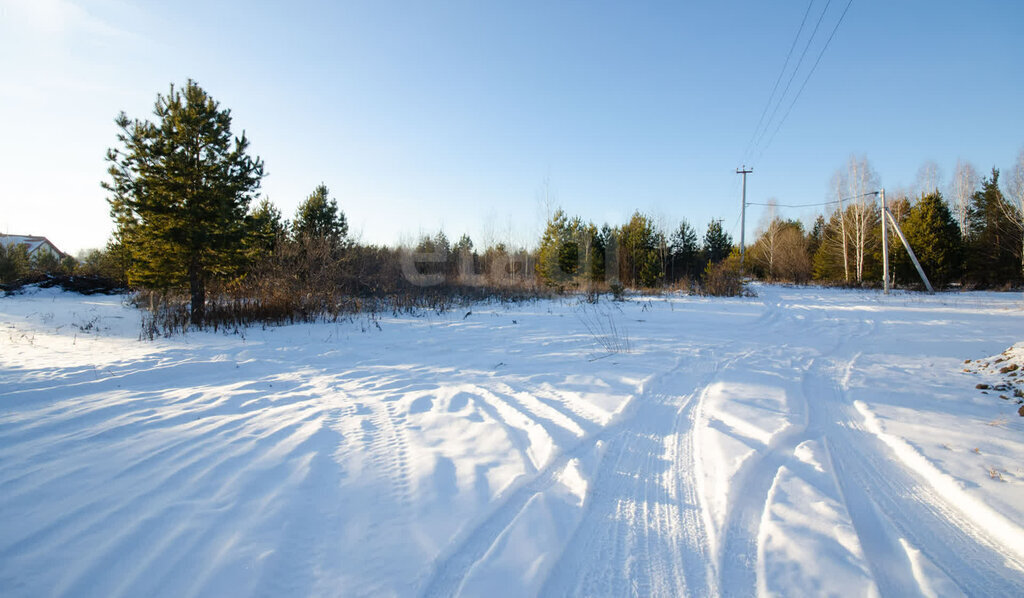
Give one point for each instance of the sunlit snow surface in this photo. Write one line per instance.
(801, 442)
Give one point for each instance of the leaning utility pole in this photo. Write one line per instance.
(743, 210)
(906, 245)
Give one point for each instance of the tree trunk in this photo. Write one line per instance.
(197, 288)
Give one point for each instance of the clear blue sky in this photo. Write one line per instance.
(420, 115)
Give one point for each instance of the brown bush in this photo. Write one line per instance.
(723, 279)
(311, 280)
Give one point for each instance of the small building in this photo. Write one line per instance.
(34, 246)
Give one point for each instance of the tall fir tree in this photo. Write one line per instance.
(593, 248)
(993, 252)
(318, 218)
(266, 230)
(14, 262)
(462, 261)
(934, 236)
(684, 251)
(639, 260)
(815, 237)
(717, 242)
(558, 258)
(180, 190)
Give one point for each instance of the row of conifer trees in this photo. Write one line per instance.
(190, 224)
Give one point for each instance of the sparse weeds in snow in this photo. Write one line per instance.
(999, 421)
(372, 319)
(29, 337)
(92, 325)
(600, 324)
(231, 310)
(995, 474)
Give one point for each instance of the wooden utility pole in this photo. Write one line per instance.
(743, 211)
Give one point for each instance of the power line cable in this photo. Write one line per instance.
(812, 205)
(806, 79)
(771, 96)
(792, 75)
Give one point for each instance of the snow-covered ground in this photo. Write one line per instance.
(803, 442)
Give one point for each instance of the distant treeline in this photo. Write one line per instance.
(192, 232)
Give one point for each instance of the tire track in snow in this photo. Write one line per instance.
(748, 498)
(384, 433)
(738, 556)
(887, 502)
(643, 533)
(454, 566)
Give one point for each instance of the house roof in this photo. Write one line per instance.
(32, 243)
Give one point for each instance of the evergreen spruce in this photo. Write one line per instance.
(684, 251)
(815, 237)
(827, 263)
(717, 242)
(592, 248)
(318, 218)
(463, 259)
(14, 262)
(266, 230)
(180, 190)
(558, 258)
(639, 260)
(935, 238)
(993, 250)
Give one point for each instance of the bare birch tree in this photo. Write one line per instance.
(861, 182)
(768, 237)
(962, 187)
(1013, 207)
(838, 185)
(929, 178)
(898, 201)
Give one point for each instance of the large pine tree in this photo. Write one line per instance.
(558, 258)
(180, 189)
(639, 261)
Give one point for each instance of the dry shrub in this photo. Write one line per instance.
(311, 280)
(723, 279)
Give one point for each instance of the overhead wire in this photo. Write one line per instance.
(792, 75)
(735, 226)
(760, 132)
(812, 205)
(806, 79)
(771, 96)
